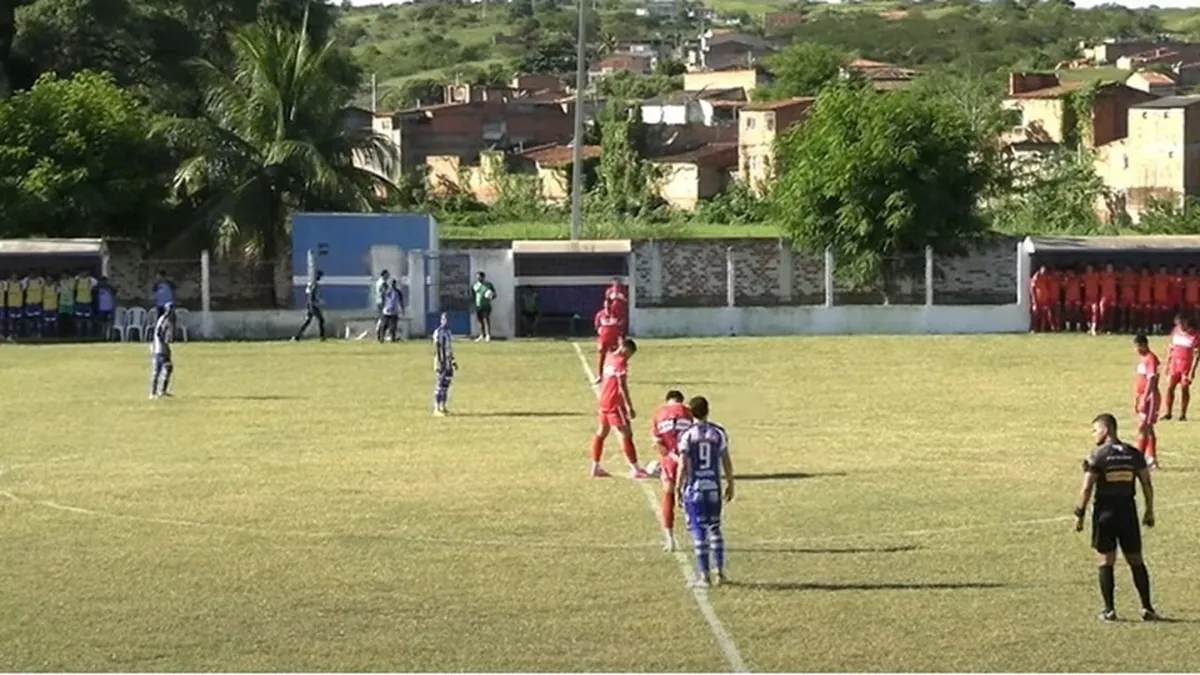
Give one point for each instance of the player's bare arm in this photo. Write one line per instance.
(1085, 495)
(1143, 476)
(727, 468)
(628, 398)
(682, 475)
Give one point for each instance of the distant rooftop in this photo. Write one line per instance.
(1170, 102)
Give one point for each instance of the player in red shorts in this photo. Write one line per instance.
(608, 335)
(617, 296)
(1106, 318)
(1162, 311)
(1191, 292)
(1129, 300)
(1175, 293)
(1181, 365)
(1147, 399)
(1144, 313)
(1072, 285)
(671, 419)
(616, 411)
(1091, 298)
(1039, 293)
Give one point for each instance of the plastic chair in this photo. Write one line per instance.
(148, 326)
(120, 318)
(181, 315)
(135, 320)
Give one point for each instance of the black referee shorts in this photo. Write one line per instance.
(1116, 527)
(483, 313)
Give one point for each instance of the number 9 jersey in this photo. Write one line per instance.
(704, 445)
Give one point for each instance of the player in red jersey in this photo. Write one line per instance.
(1175, 293)
(618, 298)
(671, 419)
(1039, 293)
(616, 411)
(1108, 299)
(1091, 298)
(1147, 399)
(1072, 285)
(1191, 292)
(1162, 311)
(1144, 313)
(1129, 299)
(608, 335)
(1181, 365)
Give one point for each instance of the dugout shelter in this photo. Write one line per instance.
(569, 278)
(56, 256)
(1150, 251)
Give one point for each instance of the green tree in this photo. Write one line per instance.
(551, 54)
(1057, 195)
(804, 68)
(877, 178)
(627, 184)
(75, 161)
(273, 141)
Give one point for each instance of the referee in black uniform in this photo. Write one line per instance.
(312, 307)
(1110, 471)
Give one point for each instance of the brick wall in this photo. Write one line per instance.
(693, 274)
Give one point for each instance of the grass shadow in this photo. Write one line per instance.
(526, 413)
(786, 475)
(683, 385)
(865, 586)
(825, 551)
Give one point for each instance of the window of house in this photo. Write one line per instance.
(770, 122)
(1124, 161)
(1170, 154)
(749, 122)
(1014, 117)
(1145, 115)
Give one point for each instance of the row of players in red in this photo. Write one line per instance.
(1183, 350)
(1112, 300)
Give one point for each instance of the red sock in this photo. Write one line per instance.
(1170, 399)
(629, 449)
(597, 449)
(1152, 447)
(1142, 444)
(600, 363)
(668, 509)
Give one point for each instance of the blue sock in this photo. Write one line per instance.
(700, 540)
(718, 547)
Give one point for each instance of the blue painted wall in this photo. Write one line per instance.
(349, 238)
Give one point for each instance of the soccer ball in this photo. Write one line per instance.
(654, 468)
(489, 295)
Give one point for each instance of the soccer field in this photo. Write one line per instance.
(903, 504)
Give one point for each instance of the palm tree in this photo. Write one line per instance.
(272, 141)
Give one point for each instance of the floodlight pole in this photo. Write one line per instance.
(577, 154)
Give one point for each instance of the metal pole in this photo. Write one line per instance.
(577, 156)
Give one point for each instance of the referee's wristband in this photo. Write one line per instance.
(1079, 512)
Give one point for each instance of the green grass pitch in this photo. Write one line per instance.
(904, 504)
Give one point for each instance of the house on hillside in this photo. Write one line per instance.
(1161, 56)
(1152, 82)
(882, 76)
(1155, 160)
(1107, 53)
(759, 126)
(691, 177)
(734, 77)
(622, 62)
(710, 107)
(782, 20)
(1044, 120)
(723, 48)
(465, 129)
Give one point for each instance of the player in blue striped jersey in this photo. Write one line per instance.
(164, 329)
(703, 463)
(443, 365)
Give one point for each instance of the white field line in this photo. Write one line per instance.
(724, 641)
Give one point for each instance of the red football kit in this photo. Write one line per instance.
(608, 330)
(618, 299)
(614, 410)
(1149, 397)
(1180, 362)
(1191, 292)
(670, 420)
(1129, 289)
(1072, 297)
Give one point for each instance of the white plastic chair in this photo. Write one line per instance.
(181, 315)
(135, 320)
(148, 326)
(120, 318)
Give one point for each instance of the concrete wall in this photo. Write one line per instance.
(878, 320)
